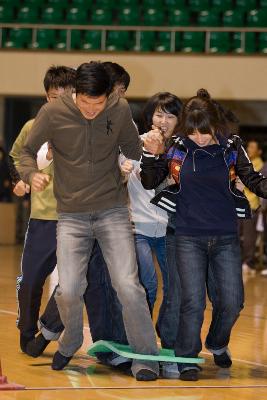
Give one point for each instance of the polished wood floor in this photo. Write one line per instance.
(86, 379)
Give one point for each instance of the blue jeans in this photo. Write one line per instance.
(145, 247)
(168, 319)
(218, 259)
(76, 234)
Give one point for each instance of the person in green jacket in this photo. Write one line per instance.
(39, 252)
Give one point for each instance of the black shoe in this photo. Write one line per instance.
(59, 361)
(36, 346)
(146, 375)
(125, 367)
(24, 340)
(223, 360)
(189, 375)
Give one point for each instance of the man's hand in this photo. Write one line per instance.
(154, 142)
(127, 167)
(39, 181)
(21, 188)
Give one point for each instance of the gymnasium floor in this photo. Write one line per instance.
(84, 378)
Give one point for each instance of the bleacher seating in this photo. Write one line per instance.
(155, 13)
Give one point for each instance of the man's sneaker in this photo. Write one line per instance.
(24, 340)
(188, 372)
(36, 346)
(146, 375)
(169, 370)
(60, 361)
(223, 360)
(116, 361)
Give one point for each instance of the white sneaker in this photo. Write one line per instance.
(248, 270)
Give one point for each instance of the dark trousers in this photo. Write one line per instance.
(216, 258)
(249, 237)
(168, 319)
(38, 262)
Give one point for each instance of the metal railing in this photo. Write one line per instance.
(138, 29)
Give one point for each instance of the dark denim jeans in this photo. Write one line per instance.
(168, 319)
(218, 259)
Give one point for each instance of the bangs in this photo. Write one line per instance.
(169, 107)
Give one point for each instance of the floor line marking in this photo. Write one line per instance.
(149, 387)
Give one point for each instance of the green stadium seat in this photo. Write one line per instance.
(162, 47)
(164, 42)
(147, 41)
(257, 18)
(198, 5)
(164, 37)
(178, 17)
(148, 37)
(246, 5)
(174, 4)
(91, 40)
(145, 46)
(233, 18)
(116, 46)
(154, 17)
(13, 44)
(250, 42)
(262, 3)
(152, 4)
(208, 18)
(193, 42)
(263, 37)
(45, 39)
(28, 15)
(57, 3)
(6, 13)
(127, 4)
(52, 15)
(107, 4)
(3, 35)
(222, 5)
(220, 42)
(11, 3)
(82, 3)
(118, 38)
(128, 16)
(75, 39)
(34, 3)
(18, 38)
(263, 42)
(77, 16)
(101, 16)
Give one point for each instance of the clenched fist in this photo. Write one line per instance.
(21, 188)
(39, 181)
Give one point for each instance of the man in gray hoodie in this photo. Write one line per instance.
(86, 132)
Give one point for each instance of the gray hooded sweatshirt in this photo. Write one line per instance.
(87, 174)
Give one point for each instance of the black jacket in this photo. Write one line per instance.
(155, 169)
